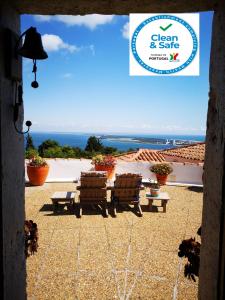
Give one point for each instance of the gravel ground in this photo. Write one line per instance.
(127, 257)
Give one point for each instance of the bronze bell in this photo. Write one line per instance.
(32, 47)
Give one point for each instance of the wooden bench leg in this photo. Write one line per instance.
(55, 206)
(114, 208)
(70, 205)
(164, 202)
(113, 203)
(74, 207)
(139, 209)
(150, 201)
(79, 211)
(106, 210)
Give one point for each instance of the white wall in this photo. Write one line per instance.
(70, 169)
(186, 173)
(182, 173)
(66, 169)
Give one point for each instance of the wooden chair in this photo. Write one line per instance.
(127, 190)
(93, 190)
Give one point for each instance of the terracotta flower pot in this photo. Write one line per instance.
(37, 175)
(99, 167)
(161, 179)
(110, 170)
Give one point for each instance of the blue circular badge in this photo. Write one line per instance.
(173, 18)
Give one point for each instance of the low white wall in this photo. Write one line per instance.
(66, 169)
(134, 167)
(182, 173)
(186, 173)
(70, 169)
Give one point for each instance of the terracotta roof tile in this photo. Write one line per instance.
(142, 155)
(191, 152)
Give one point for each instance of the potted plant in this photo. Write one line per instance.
(104, 163)
(31, 153)
(155, 189)
(37, 170)
(161, 171)
(31, 237)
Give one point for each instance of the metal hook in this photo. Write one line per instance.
(28, 124)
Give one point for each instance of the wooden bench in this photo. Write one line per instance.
(64, 197)
(163, 196)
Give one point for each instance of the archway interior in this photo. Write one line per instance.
(85, 86)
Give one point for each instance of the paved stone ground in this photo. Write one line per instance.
(123, 258)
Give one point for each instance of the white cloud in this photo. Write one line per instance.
(92, 49)
(41, 18)
(89, 21)
(179, 128)
(52, 42)
(67, 75)
(125, 30)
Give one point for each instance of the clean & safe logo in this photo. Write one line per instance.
(164, 44)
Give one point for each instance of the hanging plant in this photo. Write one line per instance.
(191, 250)
(31, 238)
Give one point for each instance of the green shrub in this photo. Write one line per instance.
(38, 162)
(52, 149)
(31, 153)
(46, 145)
(161, 169)
(53, 152)
(29, 142)
(68, 152)
(109, 150)
(94, 144)
(107, 160)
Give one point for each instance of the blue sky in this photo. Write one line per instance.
(84, 85)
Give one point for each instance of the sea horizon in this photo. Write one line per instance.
(114, 132)
(122, 141)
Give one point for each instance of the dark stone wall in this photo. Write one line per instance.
(11, 150)
(12, 175)
(213, 234)
(120, 7)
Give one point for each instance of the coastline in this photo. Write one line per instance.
(121, 141)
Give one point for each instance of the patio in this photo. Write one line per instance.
(127, 257)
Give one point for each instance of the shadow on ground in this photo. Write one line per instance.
(62, 209)
(197, 189)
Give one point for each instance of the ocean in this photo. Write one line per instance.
(121, 142)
